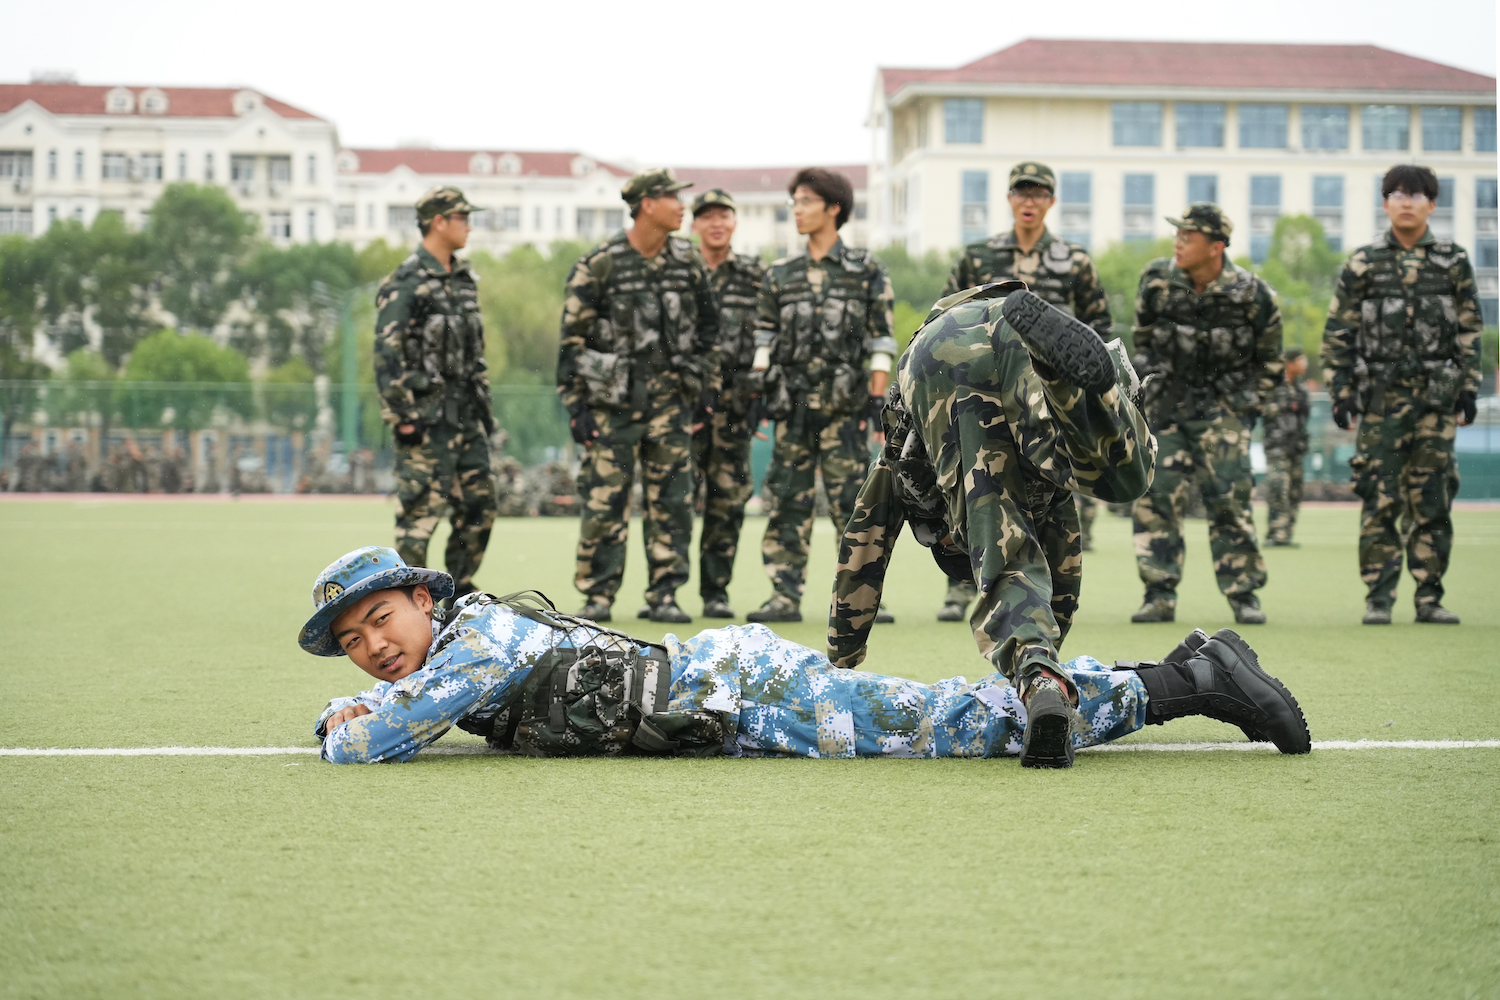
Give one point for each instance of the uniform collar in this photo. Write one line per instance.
(430, 263)
(1427, 240)
(837, 252)
(1227, 279)
(1007, 240)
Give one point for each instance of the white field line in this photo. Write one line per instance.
(478, 750)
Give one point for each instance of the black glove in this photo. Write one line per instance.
(415, 437)
(1343, 413)
(755, 413)
(874, 407)
(1251, 416)
(707, 403)
(1468, 405)
(583, 426)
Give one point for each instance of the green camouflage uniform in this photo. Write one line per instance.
(1286, 447)
(1401, 343)
(1064, 275)
(637, 350)
(721, 448)
(431, 372)
(821, 320)
(997, 451)
(1217, 356)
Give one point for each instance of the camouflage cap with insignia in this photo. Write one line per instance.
(1032, 172)
(652, 183)
(713, 197)
(1205, 217)
(356, 575)
(442, 200)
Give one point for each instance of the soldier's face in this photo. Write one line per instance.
(715, 226)
(1297, 367)
(1408, 211)
(665, 211)
(811, 212)
(1029, 203)
(452, 229)
(386, 633)
(1193, 249)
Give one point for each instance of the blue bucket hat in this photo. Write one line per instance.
(356, 575)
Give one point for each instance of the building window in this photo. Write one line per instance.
(1328, 208)
(1265, 208)
(15, 169)
(369, 216)
(1484, 130)
(1203, 187)
(1263, 126)
(149, 166)
(312, 169)
(536, 218)
(182, 166)
(1140, 207)
(614, 218)
(51, 215)
(279, 172)
(1136, 123)
(1441, 219)
(1076, 207)
(1200, 124)
(1442, 129)
(279, 225)
(343, 217)
(312, 224)
(510, 217)
(15, 220)
(1386, 126)
(78, 164)
(1486, 247)
(401, 217)
(861, 211)
(52, 164)
(974, 215)
(781, 213)
(585, 219)
(963, 120)
(208, 166)
(112, 167)
(557, 219)
(1325, 126)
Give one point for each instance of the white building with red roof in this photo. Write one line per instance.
(524, 197)
(70, 151)
(1136, 130)
(764, 215)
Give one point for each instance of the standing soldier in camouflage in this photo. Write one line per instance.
(1061, 273)
(721, 445)
(1401, 351)
(435, 391)
(1211, 334)
(824, 350)
(1286, 447)
(635, 368)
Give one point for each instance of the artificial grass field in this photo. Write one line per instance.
(1346, 873)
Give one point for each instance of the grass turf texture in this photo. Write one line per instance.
(1346, 873)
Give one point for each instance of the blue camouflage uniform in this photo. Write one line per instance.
(777, 697)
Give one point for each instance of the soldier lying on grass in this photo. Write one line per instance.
(535, 681)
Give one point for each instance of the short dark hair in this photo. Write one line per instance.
(830, 185)
(424, 226)
(1410, 178)
(635, 210)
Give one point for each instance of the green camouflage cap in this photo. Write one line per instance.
(442, 200)
(1032, 172)
(652, 183)
(712, 197)
(1205, 217)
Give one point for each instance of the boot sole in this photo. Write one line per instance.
(1302, 740)
(1070, 348)
(1048, 741)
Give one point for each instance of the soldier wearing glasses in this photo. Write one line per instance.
(1401, 357)
(435, 391)
(1061, 273)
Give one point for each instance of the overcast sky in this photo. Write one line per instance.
(721, 84)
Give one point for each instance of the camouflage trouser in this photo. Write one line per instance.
(721, 461)
(1215, 453)
(659, 437)
(1283, 494)
(450, 468)
(806, 443)
(1087, 508)
(1405, 469)
(1061, 542)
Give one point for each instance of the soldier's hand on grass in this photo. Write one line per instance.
(1467, 408)
(343, 715)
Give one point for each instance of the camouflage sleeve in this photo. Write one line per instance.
(864, 554)
(1470, 320)
(767, 312)
(1268, 365)
(369, 699)
(1337, 352)
(960, 277)
(1090, 303)
(1145, 360)
(880, 312)
(580, 313)
(393, 382)
(708, 331)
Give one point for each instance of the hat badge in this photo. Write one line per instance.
(332, 590)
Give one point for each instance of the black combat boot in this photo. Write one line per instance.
(1221, 678)
(1061, 347)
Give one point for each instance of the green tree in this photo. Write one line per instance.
(196, 241)
(1303, 269)
(294, 294)
(1120, 267)
(290, 401)
(97, 274)
(378, 259)
(916, 282)
(206, 376)
(521, 298)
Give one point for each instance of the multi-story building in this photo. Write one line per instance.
(69, 152)
(1136, 130)
(765, 222)
(523, 197)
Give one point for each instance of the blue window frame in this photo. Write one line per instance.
(1386, 126)
(1442, 129)
(1263, 126)
(1202, 187)
(1200, 124)
(963, 120)
(1325, 126)
(1136, 123)
(974, 214)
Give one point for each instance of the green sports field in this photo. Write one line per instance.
(1361, 873)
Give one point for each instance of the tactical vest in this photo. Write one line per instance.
(736, 285)
(603, 699)
(444, 344)
(647, 324)
(819, 352)
(1204, 344)
(1408, 323)
(1053, 278)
